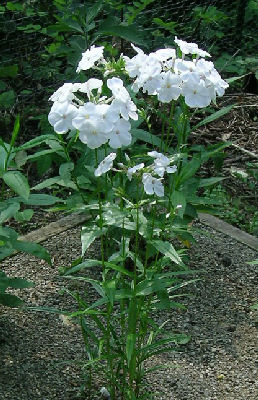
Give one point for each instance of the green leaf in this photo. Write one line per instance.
(9, 71)
(214, 116)
(15, 130)
(189, 170)
(74, 25)
(235, 78)
(210, 181)
(18, 183)
(168, 250)
(255, 262)
(32, 248)
(65, 171)
(93, 11)
(112, 26)
(7, 99)
(88, 235)
(36, 142)
(97, 263)
(39, 200)
(25, 215)
(179, 202)
(9, 212)
(130, 346)
(147, 137)
(13, 6)
(14, 283)
(10, 300)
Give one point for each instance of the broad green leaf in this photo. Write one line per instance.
(179, 202)
(10, 300)
(93, 11)
(74, 25)
(88, 235)
(32, 248)
(9, 212)
(65, 171)
(112, 26)
(214, 116)
(39, 200)
(36, 142)
(147, 137)
(46, 183)
(7, 99)
(94, 263)
(15, 283)
(42, 153)
(210, 181)
(189, 170)
(54, 181)
(9, 71)
(25, 215)
(168, 250)
(20, 158)
(18, 183)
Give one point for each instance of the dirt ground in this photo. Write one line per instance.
(40, 353)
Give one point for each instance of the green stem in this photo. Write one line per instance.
(170, 124)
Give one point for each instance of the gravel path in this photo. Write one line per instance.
(219, 363)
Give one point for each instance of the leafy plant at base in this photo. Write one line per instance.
(12, 179)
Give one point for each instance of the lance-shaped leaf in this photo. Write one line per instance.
(18, 183)
(168, 250)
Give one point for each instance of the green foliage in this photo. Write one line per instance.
(11, 300)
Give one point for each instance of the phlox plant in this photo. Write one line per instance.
(140, 189)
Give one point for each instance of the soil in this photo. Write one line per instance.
(40, 353)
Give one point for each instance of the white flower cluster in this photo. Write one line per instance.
(100, 119)
(151, 184)
(161, 73)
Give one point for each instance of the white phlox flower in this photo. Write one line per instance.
(161, 73)
(126, 109)
(66, 92)
(105, 165)
(61, 116)
(90, 57)
(93, 134)
(88, 113)
(162, 164)
(184, 67)
(170, 87)
(109, 115)
(191, 48)
(185, 47)
(197, 95)
(152, 185)
(152, 85)
(90, 85)
(164, 54)
(120, 135)
(133, 170)
(118, 90)
(134, 65)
